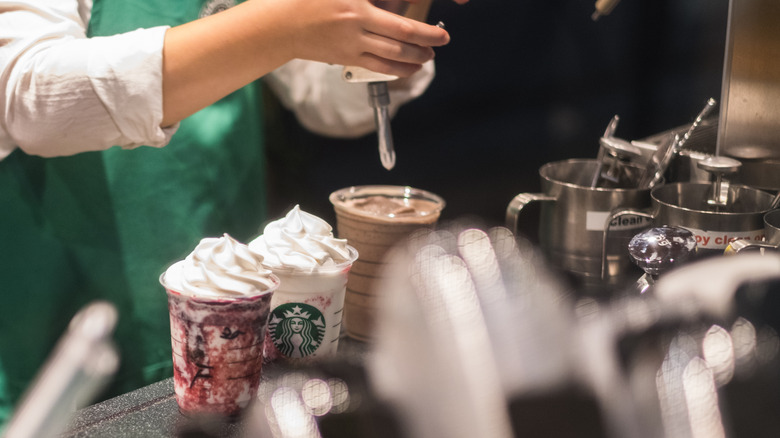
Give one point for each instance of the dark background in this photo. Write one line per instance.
(522, 83)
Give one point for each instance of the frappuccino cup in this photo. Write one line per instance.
(312, 266)
(219, 300)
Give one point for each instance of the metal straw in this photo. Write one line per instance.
(656, 175)
(775, 202)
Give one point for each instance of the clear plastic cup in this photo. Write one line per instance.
(307, 311)
(373, 229)
(217, 350)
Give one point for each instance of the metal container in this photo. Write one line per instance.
(572, 221)
(714, 227)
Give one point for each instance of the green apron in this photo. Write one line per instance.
(107, 224)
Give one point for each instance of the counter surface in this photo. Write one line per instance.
(147, 412)
(152, 412)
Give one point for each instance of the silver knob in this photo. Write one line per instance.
(719, 166)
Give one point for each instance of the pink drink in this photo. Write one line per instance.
(217, 350)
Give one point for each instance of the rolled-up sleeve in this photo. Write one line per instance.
(64, 93)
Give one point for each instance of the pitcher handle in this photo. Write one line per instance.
(614, 215)
(518, 203)
(737, 246)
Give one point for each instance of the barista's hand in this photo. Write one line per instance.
(207, 59)
(355, 32)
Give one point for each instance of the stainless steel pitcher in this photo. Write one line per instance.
(714, 227)
(572, 221)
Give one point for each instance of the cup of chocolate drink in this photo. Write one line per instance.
(374, 218)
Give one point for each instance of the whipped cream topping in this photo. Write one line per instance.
(301, 241)
(220, 267)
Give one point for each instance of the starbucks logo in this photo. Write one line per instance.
(297, 329)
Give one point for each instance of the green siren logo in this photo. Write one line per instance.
(297, 329)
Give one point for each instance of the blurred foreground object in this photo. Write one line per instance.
(475, 336)
(81, 364)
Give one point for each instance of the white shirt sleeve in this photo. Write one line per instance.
(326, 104)
(62, 93)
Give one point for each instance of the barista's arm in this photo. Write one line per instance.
(62, 93)
(206, 59)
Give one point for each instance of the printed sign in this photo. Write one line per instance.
(594, 221)
(721, 239)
